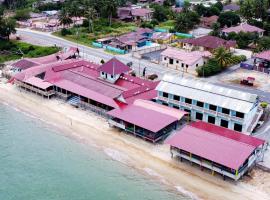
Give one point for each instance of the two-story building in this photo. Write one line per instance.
(207, 102)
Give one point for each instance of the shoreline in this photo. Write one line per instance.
(153, 160)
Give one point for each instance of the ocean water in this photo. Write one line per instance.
(40, 163)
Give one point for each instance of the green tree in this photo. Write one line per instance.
(91, 14)
(22, 14)
(7, 27)
(186, 21)
(64, 18)
(160, 13)
(246, 9)
(223, 57)
(110, 8)
(263, 44)
(228, 19)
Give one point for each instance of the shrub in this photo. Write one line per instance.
(65, 32)
(209, 69)
(264, 104)
(22, 14)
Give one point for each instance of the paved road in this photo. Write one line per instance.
(96, 55)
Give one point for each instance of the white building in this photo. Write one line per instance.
(184, 60)
(221, 106)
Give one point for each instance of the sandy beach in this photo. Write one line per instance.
(153, 160)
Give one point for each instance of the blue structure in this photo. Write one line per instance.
(180, 3)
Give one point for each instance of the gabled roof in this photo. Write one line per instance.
(189, 58)
(141, 12)
(24, 64)
(209, 42)
(243, 28)
(263, 55)
(210, 142)
(146, 118)
(113, 67)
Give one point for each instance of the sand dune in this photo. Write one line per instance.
(153, 160)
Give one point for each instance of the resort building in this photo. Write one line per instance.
(26, 63)
(223, 151)
(207, 102)
(85, 84)
(184, 60)
(246, 28)
(146, 119)
(206, 43)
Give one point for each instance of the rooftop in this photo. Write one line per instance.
(186, 57)
(82, 78)
(145, 118)
(113, 67)
(243, 28)
(263, 55)
(208, 93)
(228, 148)
(209, 42)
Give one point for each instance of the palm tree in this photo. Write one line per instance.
(64, 18)
(91, 14)
(223, 57)
(110, 7)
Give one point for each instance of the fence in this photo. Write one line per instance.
(139, 53)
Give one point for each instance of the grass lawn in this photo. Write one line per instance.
(12, 50)
(101, 30)
(169, 24)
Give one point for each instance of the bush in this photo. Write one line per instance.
(147, 25)
(22, 14)
(65, 32)
(264, 104)
(209, 69)
(238, 59)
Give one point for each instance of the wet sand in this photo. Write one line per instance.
(150, 159)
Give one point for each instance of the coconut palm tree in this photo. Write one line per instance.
(64, 18)
(91, 14)
(223, 57)
(110, 7)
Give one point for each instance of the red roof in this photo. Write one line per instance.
(253, 141)
(263, 55)
(114, 66)
(208, 141)
(149, 119)
(24, 64)
(209, 41)
(82, 91)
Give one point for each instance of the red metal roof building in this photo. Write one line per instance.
(146, 119)
(83, 79)
(219, 149)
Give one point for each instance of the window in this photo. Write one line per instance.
(176, 107)
(165, 104)
(238, 127)
(197, 65)
(186, 66)
(165, 58)
(182, 65)
(171, 61)
(111, 76)
(187, 110)
(211, 120)
(165, 94)
(176, 98)
(187, 100)
(224, 123)
(102, 73)
(212, 107)
(240, 115)
(177, 61)
(200, 104)
(225, 111)
(199, 116)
